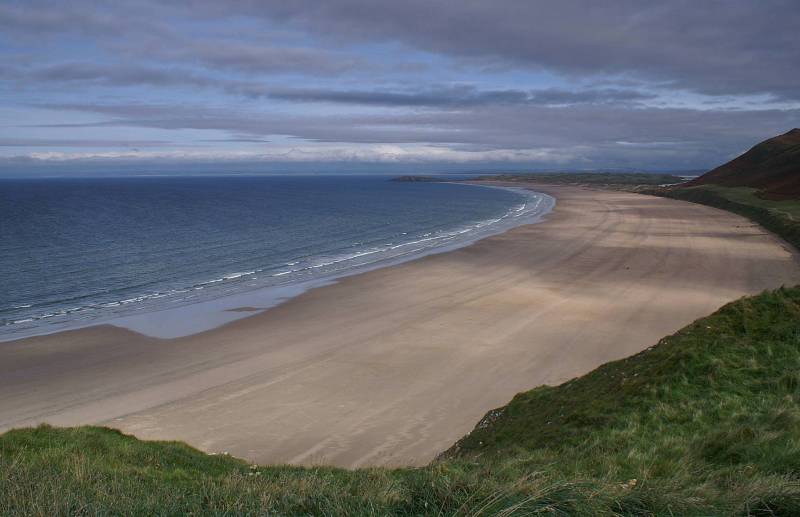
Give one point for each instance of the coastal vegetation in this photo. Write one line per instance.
(617, 180)
(418, 179)
(780, 216)
(762, 184)
(704, 422)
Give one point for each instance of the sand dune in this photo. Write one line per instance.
(392, 366)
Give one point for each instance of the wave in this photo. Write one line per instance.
(531, 209)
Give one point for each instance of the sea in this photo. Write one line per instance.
(169, 256)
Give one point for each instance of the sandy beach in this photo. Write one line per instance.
(392, 366)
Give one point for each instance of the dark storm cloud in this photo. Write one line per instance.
(253, 58)
(41, 142)
(596, 96)
(458, 96)
(135, 74)
(714, 47)
(36, 19)
(85, 73)
(115, 75)
(81, 74)
(463, 75)
(129, 30)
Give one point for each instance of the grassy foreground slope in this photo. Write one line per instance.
(706, 422)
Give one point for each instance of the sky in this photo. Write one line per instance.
(414, 85)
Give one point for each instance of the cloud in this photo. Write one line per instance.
(128, 75)
(601, 134)
(32, 18)
(458, 96)
(112, 75)
(253, 59)
(42, 142)
(37, 19)
(714, 47)
(415, 154)
(437, 96)
(623, 82)
(128, 29)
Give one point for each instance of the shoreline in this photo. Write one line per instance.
(391, 366)
(219, 309)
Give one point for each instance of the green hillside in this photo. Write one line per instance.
(772, 168)
(706, 422)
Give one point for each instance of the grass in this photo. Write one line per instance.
(789, 208)
(706, 422)
(708, 416)
(99, 471)
(601, 179)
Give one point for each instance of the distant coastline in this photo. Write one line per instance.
(418, 179)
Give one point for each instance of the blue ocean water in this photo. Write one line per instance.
(81, 251)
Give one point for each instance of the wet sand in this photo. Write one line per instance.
(392, 366)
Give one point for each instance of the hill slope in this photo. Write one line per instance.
(772, 167)
(706, 422)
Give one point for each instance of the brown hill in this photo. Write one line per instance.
(772, 167)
